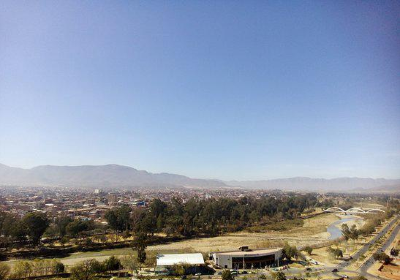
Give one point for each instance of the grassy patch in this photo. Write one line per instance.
(278, 226)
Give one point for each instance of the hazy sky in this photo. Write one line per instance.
(208, 89)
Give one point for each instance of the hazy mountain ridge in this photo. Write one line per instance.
(319, 184)
(96, 176)
(113, 176)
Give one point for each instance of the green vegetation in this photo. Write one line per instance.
(4, 271)
(290, 252)
(279, 276)
(210, 217)
(382, 257)
(337, 253)
(227, 275)
(23, 269)
(277, 225)
(360, 278)
(176, 218)
(139, 244)
(85, 270)
(28, 229)
(308, 249)
(350, 233)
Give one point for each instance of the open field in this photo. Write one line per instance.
(312, 231)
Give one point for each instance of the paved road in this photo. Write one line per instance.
(370, 261)
(385, 245)
(363, 269)
(366, 246)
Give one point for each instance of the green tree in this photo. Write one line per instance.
(18, 231)
(179, 269)
(85, 270)
(129, 262)
(58, 268)
(111, 264)
(77, 227)
(280, 276)
(346, 231)
(337, 253)
(61, 224)
(290, 252)
(227, 275)
(308, 249)
(36, 224)
(118, 218)
(382, 257)
(140, 245)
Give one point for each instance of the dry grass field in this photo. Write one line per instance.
(312, 231)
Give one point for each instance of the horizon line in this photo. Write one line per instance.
(216, 179)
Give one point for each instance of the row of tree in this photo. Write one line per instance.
(85, 270)
(207, 217)
(16, 231)
(368, 228)
(28, 229)
(24, 269)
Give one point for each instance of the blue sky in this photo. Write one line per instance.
(208, 89)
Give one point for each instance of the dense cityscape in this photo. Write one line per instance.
(50, 223)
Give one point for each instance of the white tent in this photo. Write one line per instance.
(172, 259)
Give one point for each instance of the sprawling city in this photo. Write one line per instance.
(198, 232)
(199, 140)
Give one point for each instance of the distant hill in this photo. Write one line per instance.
(117, 176)
(317, 184)
(96, 176)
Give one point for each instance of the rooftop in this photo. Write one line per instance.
(251, 252)
(171, 259)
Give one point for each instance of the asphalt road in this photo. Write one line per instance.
(365, 248)
(363, 269)
(370, 261)
(385, 245)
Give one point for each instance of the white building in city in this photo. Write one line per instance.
(165, 262)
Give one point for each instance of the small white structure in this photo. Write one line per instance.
(172, 259)
(166, 261)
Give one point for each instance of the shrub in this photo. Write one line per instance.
(382, 257)
(308, 249)
(85, 270)
(227, 275)
(112, 263)
(4, 271)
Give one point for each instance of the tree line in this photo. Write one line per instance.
(31, 228)
(206, 217)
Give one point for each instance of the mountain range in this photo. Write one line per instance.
(117, 176)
